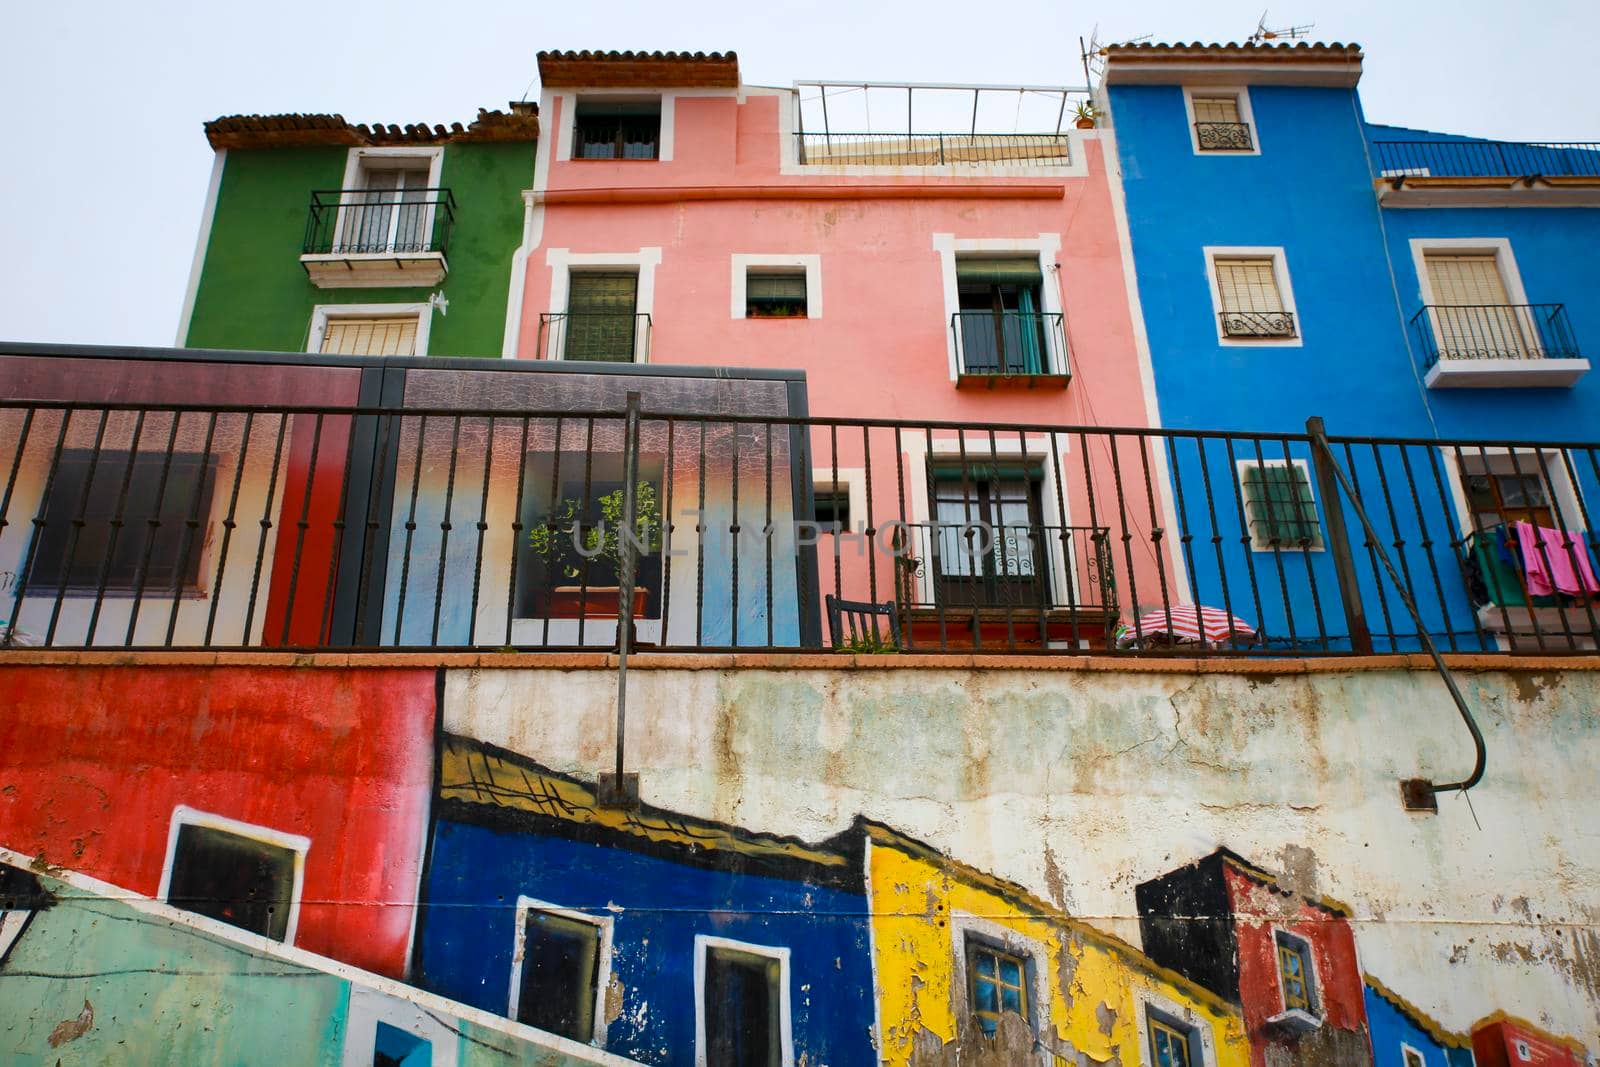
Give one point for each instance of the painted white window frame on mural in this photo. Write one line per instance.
(526, 906)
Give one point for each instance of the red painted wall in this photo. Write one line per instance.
(1494, 1044)
(1259, 911)
(93, 760)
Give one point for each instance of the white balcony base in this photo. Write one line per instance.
(1515, 626)
(374, 270)
(1505, 373)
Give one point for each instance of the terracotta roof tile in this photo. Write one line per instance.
(639, 70)
(1295, 52)
(521, 123)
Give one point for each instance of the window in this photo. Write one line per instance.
(394, 1047)
(832, 507)
(997, 983)
(1279, 506)
(999, 325)
(1499, 495)
(560, 970)
(742, 1007)
(243, 881)
(1171, 1043)
(989, 537)
(1410, 1057)
(1295, 974)
(774, 294)
(615, 128)
(1220, 121)
(389, 208)
(601, 323)
(1473, 314)
(159, 560)
(1251, 303)
(395, 336)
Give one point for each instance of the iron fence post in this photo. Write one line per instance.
(620, 789)
(1344, 564)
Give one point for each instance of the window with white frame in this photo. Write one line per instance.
(364, 335)
(1220, 121)
(1296, 973)
(1250, 295)
(1474, 316)
(1410, 1057)
(394, 1047)
(388, 204)
(775, 293)
(1279, 505)
(742, 1004)
(246, 876)
(561, 968)
(617, 127)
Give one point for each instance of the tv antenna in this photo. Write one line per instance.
(1094, 53)
(1286, 33)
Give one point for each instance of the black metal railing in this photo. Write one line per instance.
(1494, 331)
(357, 222)
(1223, 136)
(932, 149)
(595, 336)
(1487, 159)
(227, 526)
(1020, 343)
(1258, 324)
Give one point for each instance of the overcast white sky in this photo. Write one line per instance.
(102, 103)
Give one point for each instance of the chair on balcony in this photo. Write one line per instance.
(854, 624)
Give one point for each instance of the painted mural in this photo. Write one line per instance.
(198, 858)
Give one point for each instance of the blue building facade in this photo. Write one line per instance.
(691, 921)
(1404, 1037)
(1295, 260)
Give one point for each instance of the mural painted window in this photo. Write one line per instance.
(743, 1004)
(771, 293)
(1171, 1043)
(239, 880)
(1251, 299)
(118, 495)
(395, 1047)
(1001, 327)
(1279, 506)
(601, 322)
(1411, 1057)
(1295, 974)
(997, 983)
(559, 975)
(562, 575)
(370, 336)
(616, 128)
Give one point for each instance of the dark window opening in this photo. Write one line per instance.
(560, 975)
(117, 536)
(395, 1047)
(1500, 498)
(1002, 324)
(989, 535)
(602, 321)
(237, 879)
(586, 489)
(617, 129)
(775, 295)
(743, 1009)
(831, 507)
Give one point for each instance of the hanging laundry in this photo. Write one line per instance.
(1555, 561)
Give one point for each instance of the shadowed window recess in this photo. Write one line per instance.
(617, 129)
(136, 511)
(239, 880)
(1278, 503)
(1172, 1044)
(1001, 326)
(743, 998)
(997, 983)
(989, 535)
(559, 974)
(770, 293)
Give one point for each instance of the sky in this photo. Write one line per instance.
(103, 102)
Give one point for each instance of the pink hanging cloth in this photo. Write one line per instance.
(1551, 569)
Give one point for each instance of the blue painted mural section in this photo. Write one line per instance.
(1394, 1030)
(658, 906)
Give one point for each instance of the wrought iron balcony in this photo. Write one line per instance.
(1262, 325)
(1223, 136)
(595, 336)
(1498, 344)
(1010, 344)
(932, 149)
(1488, 159)
(363, 237)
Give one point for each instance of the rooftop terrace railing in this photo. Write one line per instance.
(386, 527)
(933, 149)
(1487, 159)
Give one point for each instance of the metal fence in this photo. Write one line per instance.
(161, 526)
(374, 222)
(933, 149)
(1005, 343)
(1494, 331)
(1488, 159)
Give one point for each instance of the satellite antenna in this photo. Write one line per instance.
(1286, 33)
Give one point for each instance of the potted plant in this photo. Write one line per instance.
(564, 535)
(1085, 115)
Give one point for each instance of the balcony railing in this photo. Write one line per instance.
(1494, 331)
(595, 336)
(365, 222)
(1009, 343)
(1257, 324)
(231, 526)
(1488, 159)
(933, 149)
(1223, 136)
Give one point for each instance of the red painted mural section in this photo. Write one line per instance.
(305, 559)
(93, 760)
(1259, 911)
(1508, 1042)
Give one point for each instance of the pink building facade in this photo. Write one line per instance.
(682, 217)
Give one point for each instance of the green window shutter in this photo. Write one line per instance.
(999, 270)
(1280, 507)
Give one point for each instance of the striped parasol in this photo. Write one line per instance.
(1188, 623)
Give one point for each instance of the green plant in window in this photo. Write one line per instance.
(869, 645)
(565, 530)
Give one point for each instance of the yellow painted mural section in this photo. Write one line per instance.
(1095, 988)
